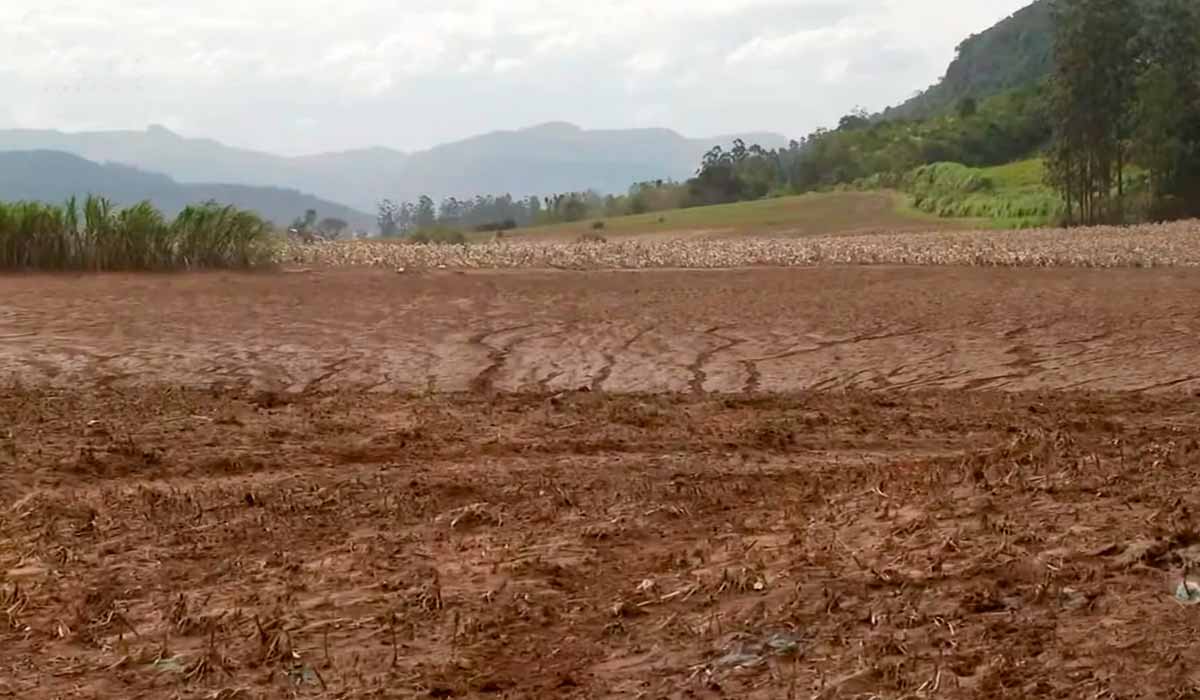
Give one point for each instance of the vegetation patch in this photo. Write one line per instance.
(438, 236)
(1009, 196)
(99, 236)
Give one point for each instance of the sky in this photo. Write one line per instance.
(306, 76)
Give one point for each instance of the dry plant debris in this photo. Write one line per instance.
(1150, 245)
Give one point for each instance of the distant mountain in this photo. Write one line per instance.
(558, 157)
(545, 159)
(1015, 53)
(54, 176)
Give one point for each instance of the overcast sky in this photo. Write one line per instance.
(301, 76)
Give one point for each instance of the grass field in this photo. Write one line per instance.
(799, 216)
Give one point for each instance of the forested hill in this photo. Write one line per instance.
(1016, 53)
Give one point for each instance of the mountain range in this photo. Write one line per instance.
(55, 176)
(540, 160)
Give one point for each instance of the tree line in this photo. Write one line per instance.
(504, 212)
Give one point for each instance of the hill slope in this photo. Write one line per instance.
(544, 159)
(54, 176)
(797, 216)
(1017, 52)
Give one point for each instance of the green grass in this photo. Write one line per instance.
(804, 215)
(1021, 174)
(1006, 196)
(98, 236)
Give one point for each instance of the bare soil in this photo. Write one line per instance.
(852, 483)
(879, 328)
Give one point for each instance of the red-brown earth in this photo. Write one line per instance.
(832, 483)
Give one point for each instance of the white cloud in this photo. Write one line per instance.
(835, 71)
(554, 41)
(507, 65)
(413, 73)
(770, 49)
(647, 62)
(475, 61)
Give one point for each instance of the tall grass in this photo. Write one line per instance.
(1011, 195)
(99, 236)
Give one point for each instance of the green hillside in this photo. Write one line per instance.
(1015, 53)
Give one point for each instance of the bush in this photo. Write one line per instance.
(592, 237)
(438, 236)
(101, 237)
(597, 225)
(496, 226)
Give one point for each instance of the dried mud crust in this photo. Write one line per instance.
(731, 331)
(187, 544)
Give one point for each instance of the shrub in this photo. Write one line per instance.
(438, 236)
(496, 226)
(598, 225)
(592, 237)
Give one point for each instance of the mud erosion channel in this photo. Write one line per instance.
(861, 482)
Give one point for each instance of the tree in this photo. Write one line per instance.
(1092, 93)
(715, 156)
(389, 219)
(451, 211)
(716, 183)
(1166, 140)
(967, 107)
(332, 228)
(859, 118)
(739, 152)
(426, 215)
(307, 223)
(574, 208)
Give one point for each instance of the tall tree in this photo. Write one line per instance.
(332, 228)
(426, 214)
(389, 219)
(1092, 94)
(1167, 137)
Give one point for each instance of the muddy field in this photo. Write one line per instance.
(816, 483)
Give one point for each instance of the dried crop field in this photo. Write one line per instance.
(1168, 245)
(821, 482)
